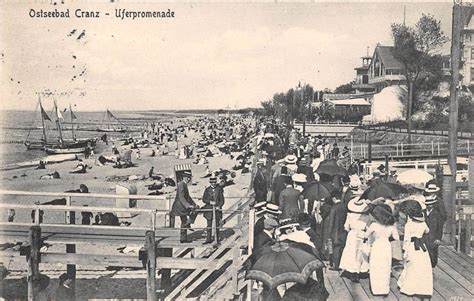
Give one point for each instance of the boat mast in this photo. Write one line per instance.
(72, 123)
(58, 124)
(42, 120)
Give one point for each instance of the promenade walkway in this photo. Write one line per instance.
(453, 280)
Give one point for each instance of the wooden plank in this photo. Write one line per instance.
(365, 283)
(461, 268)
(329, 286)
(213, 257)
(447, 287)
(446, 253)
(71, 233)
(340, 289)
(33, 260)
(150, 266)
(92, 259)
(356, 290)
(458, 277)
(396, 291)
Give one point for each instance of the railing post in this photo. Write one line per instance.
(467, 234)
(37, 216)
(236, 266)
(153, 220)
(432, 147)
(396, 146)
(401, 148)
(438, 149)
(214, 224)
(71, 248)
(150, 266)
(34, 238)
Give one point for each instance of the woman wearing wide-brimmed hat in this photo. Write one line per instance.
(380, 233)
(353, 261)
(417, 276)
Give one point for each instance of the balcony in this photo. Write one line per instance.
(386, 78)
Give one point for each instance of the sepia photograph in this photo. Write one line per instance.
(248, 150)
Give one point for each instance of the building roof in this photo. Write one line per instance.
(386, 56)
(350, 102)
(362, 67)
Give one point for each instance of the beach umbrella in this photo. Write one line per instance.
(383, 189)
(317, 191)
(415, 177)
(284, 262)
(330, 167)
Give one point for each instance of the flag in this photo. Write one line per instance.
(65, 110)
(73, 116)
(59, 113)
(44, 115)
(110, 114)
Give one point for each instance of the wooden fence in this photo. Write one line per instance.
(151, 237)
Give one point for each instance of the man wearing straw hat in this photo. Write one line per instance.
(182, 206)
(213, 197)
(435, 219)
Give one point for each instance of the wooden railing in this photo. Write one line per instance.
(464, 226)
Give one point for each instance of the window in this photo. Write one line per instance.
(472, 53)
(472, 74)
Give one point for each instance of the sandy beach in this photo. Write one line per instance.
(98, 282)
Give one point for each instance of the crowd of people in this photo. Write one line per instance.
(358, 233)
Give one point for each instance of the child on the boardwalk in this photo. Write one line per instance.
(417, 276)
(353, 261)
(380, 233)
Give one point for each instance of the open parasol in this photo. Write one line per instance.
(383, 189)
(330, 167)
(284, 262)
(415, 177)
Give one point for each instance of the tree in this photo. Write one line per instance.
(344, 89)
(413, 47)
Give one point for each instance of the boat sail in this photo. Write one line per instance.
(109, 128)
(62, 145)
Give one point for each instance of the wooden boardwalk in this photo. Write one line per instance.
(453, 280)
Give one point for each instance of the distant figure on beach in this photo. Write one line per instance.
(114, 149)
(41, 165)
(81, 167)
(183, 207)
(104, 138)
(11, 215)
(86, 217)
(153, 175)
(49, 176)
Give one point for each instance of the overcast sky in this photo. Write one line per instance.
(211, 55)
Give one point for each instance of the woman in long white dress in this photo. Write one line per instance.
(353, 260)
(417, 276)
(380, 233)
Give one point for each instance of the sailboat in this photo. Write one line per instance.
(61, 146)
(109, 128)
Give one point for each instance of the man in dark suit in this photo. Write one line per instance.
(289, 202)
(260, 183)
(182, 206)
(279, 184)
(435, 219)
(337, 233)
(305, 169)
(213, 197)
(266, 237)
